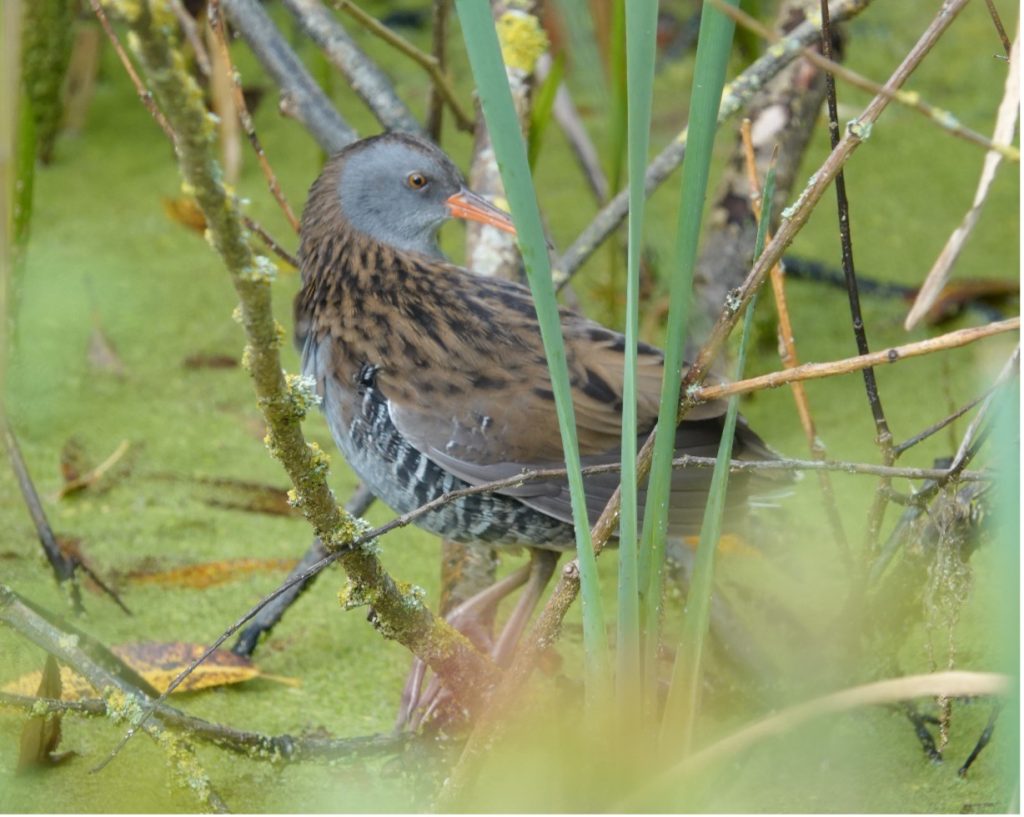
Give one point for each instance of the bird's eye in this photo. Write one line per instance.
(417, 181)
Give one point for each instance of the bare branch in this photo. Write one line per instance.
(217, 25)
(938, 275)
(144, 94)
(369, 82)
(63, 567)
(122, 697)
(814, 371)
(942, 118)
(998, 23)
(253, 745)
(271, 243)
(301, 97)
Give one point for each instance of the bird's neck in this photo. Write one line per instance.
(344, 264)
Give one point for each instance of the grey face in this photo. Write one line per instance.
(395, 189)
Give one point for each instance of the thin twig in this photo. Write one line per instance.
(815, 371)
(883, 436)
(910, 442)
(147, 99)
(977, 429)
(426, 61)
(910, 99)
(63, 566)
(435, 103)
(144, 94)
(217, 25)
(253, 745)
(999, 27)
(268, 239)
(790, 360)
(1006, 123)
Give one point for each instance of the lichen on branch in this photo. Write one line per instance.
(399, 614)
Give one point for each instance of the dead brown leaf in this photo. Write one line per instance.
(203, 360)
(73, 461)
(209, 574)
(159, 663)
(41, 734)
(76, 462)
(728, 543)
(956, 296)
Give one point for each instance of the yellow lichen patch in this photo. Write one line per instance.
(185, 211)
(522, 40)
(130, 10)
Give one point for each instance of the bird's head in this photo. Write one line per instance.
(399, 190)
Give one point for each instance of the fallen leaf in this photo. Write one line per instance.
(160, 663)
(727, 543)
(956, 296)
(102, 355)
(41, 734)
(93, 477)
(185, 211)
(73, 461)
(241, 495)
(201, 360)
(209, 574)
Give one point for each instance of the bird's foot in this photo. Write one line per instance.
(434, 704)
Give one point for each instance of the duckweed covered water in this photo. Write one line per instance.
(104, 254)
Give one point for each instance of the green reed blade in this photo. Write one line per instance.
(499, 112)
(684, 694)
(543, 106)
(641, 28)
(713, 47)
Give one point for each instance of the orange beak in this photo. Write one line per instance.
(468, 205)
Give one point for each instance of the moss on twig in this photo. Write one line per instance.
(283, 401)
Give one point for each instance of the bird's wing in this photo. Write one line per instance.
(489, 414)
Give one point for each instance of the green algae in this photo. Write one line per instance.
(104, 251)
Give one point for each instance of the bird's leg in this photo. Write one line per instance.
(542, 566)
(539, 571)
(461, 618)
